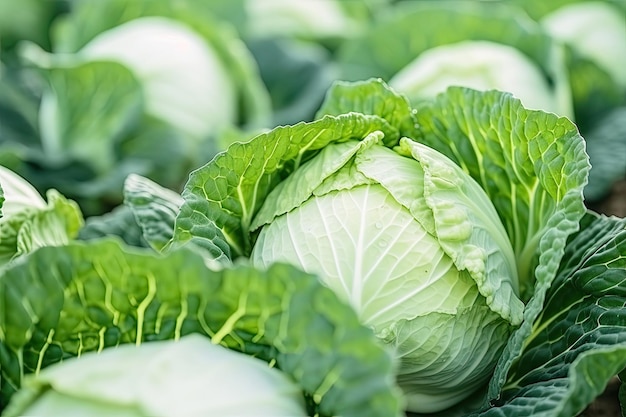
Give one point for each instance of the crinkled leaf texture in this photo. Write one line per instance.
(55, 224)
(224, 195)
(578, 342)
(416, 247)
(154, 207)
(60, 302)
(531, 164)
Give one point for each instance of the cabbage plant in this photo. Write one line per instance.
(65, 303)
(442, 227)
(140, 87)
(188, 377)
(391, 231)
(28, 222)
(595, 30)
(480, 45)
(478, 65)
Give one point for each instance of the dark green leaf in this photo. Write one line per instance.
(578, 342)
(84, 297)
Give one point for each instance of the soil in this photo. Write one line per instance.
(615, 204)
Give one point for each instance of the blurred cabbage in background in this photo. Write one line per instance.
(91, 92)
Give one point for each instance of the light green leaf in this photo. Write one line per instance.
(87, 110)
(84, 297)
(165, 378)
(466, 231)
(578, 342)
(55, 224)
(533, 167)
(531, 164)
(308, 179)
(29, 19)
(228, 191)
(372, 97)
(154, 207)
(18, 194)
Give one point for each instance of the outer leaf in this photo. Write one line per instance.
(89, 18)
(87, 111)
(119, 222)
(18, 194)
(55, 224)
(578, 342)
(370, 97)
(533, 167)
(227, 192)
(154, 207)
(68, 300)
(19, 102)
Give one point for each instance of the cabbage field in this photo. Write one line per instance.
(375, 208)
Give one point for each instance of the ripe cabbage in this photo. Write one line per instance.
(415, 246)
(481, 65)
(436, 225)
(190, 377)
(595, 30)
(185, 81)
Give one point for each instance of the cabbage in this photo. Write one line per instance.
(28, 222)
(481, 65)
(189, 377)
(595, 30)
(18, 193)
(436, 260)
(102, 296)
(319, 19)
(184, 81)
(441, 227)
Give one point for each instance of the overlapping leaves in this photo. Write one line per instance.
(64, 301)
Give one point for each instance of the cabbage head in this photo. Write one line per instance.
(189, 377)
(595, 30)
(415, 246)
(437, 224)
(481, 65)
